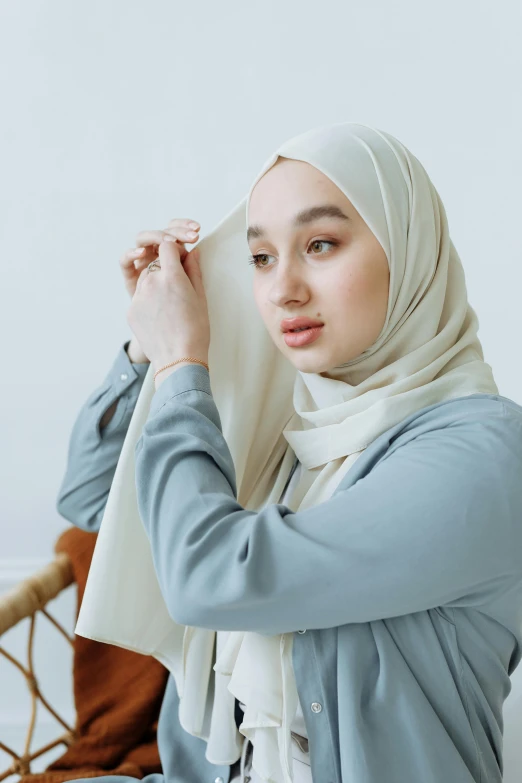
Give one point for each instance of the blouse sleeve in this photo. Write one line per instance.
(436, 521)
(93, 451)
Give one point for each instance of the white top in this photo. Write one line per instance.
(301, 757)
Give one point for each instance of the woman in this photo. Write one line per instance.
(361, 602)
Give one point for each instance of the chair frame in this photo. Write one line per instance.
(27, 600)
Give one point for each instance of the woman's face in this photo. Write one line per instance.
(329, 269)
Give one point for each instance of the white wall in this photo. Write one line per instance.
(118, 116)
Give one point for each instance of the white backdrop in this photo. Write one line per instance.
(118, 116)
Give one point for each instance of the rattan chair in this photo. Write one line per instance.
(26, 600)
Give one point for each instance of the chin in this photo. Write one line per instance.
(308, 363)
(304, 359)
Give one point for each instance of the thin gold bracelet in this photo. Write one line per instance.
(184, 359)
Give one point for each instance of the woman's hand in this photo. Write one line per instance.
(138, 258)
(168, 312)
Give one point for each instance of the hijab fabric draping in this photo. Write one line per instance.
(428, 351)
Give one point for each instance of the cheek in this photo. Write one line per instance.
(260, 298)
(360, 290)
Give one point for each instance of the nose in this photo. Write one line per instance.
(288, 285)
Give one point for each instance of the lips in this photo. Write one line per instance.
(291, 324)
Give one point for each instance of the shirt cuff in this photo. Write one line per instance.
(141, 368)
(124, 373)
(190, 377)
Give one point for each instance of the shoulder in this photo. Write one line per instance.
(477, 406)
(478, 428)
(478, 409)
(459, 460)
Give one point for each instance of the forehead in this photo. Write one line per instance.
(294, 182)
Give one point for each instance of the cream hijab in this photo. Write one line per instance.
(428, 351)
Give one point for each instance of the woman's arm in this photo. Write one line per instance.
(96, 441)
(136, 356)
(436, 521)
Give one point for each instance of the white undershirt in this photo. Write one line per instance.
(301, 770)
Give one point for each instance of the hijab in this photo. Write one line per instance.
(427, 352)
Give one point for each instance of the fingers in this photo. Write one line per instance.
(127, 260)
(177, 228)
(147, 242)
(141, 277)
(190, 224)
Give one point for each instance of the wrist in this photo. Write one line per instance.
(135, 353)
(164, 374)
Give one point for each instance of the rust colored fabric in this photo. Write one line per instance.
(117, 696)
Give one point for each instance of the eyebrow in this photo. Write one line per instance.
(303, 217)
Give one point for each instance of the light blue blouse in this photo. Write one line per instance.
(404, 589)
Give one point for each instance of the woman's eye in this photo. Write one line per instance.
(321, 242)
(255, 259)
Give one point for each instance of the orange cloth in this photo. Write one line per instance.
(117, 696)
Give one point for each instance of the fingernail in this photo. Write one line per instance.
(193, 224)
(140, 250)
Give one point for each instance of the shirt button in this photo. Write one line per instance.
(316, 707)
(123, 376)
(218, 780)
(302, 631)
